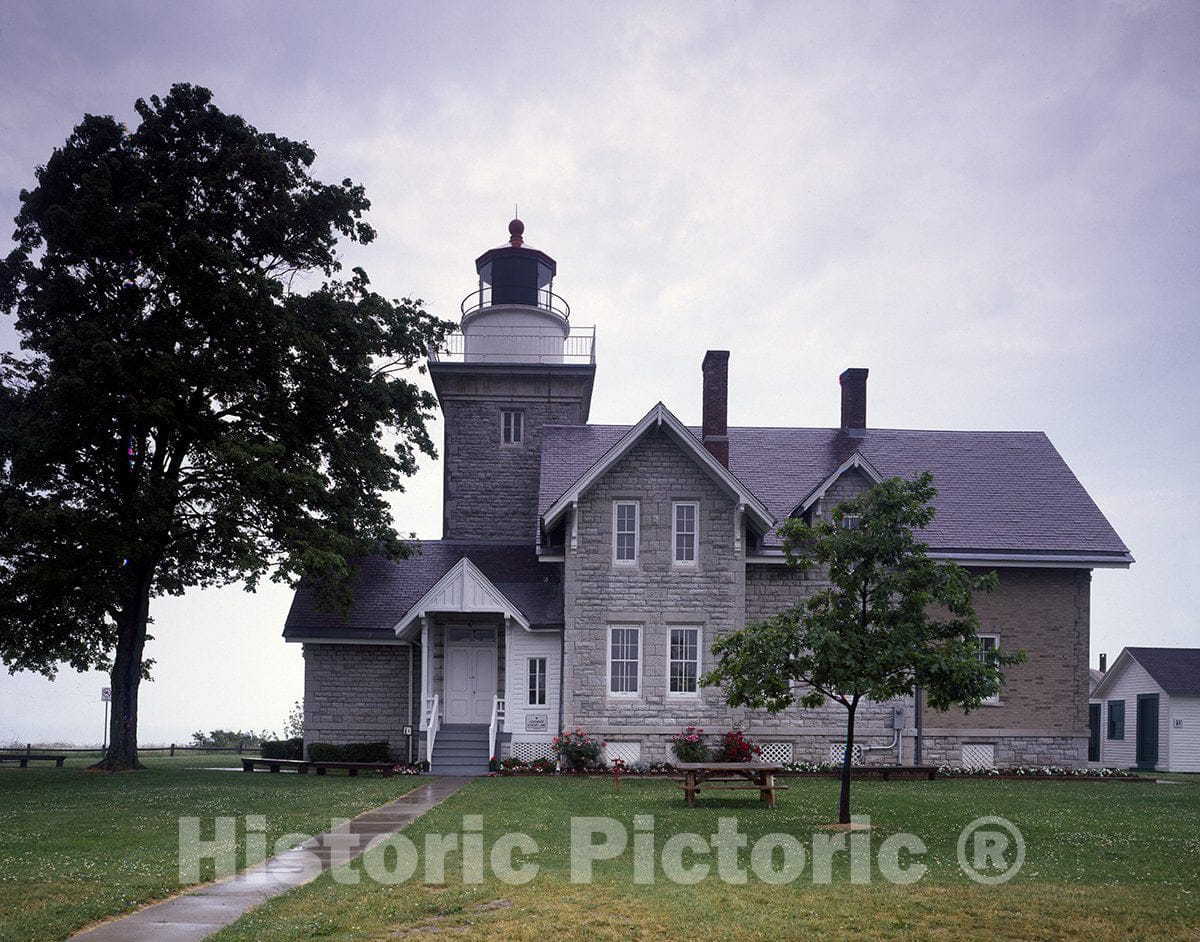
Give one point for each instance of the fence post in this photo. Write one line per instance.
(172, 750)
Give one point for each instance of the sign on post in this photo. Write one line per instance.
(106, 694)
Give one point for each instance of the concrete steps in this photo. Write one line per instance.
(461, 749)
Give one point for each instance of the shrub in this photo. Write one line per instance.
(283, 748)
(367, 752)
(577, 749)
(324, 752)
(350, 752)
(735, 747)
(688, 746)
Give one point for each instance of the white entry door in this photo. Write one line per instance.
(470, 674)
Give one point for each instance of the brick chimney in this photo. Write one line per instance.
(716, 404)
(1103, 663)
(854, 398)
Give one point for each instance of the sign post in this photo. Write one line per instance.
(106, 697)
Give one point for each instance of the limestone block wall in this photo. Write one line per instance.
(654, 594)
(358, 693)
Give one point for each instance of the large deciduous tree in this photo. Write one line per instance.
(890, 622)
(181, 415)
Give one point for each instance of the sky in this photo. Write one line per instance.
(992, 206)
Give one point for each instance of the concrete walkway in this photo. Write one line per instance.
(199, 913)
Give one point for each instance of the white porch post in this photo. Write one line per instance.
(426, 661)
(509, 629)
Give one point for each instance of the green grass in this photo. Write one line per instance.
(1103, 861)
(77, 846)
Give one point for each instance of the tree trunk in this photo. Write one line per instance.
(844, 799)
(127, 677)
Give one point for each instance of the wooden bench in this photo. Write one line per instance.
(755, 776)
(26, 757)
(303, 765)
(249, 764)
(386, 769)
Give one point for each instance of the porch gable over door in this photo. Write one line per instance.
(464, 589)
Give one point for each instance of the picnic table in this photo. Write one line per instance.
(759, 776)
(25, 758)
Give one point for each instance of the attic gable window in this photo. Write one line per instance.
(625, 531)
(512, 427)
(684, 531)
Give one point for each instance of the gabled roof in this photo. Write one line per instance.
(1176, 670)
(463, 589)
(658, 417)
(856, 460)
(998, 492)
(384, 590)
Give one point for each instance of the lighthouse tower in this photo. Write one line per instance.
(516, 366)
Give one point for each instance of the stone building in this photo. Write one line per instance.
(585, 570)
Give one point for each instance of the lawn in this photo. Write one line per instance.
(77, 846)
(1103, 861)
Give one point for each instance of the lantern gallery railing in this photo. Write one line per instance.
(517, 345)
(523, 295)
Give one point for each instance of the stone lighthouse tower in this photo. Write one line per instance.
(517, 365)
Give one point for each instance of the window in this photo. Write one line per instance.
(684, 532)
(683, 664)
(1116, 719)
(851, 522)
(537, 681)
(624, 660)
(988, 646)
(625, 531)
(512, 427)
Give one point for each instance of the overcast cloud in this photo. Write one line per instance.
(991, 206)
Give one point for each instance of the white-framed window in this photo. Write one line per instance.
(685, 527)
(683, 661)
(512, 426)
(988, 646)
(624, 660)
(626, 525)
(537, 681)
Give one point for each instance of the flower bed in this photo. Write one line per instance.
(1039, 772)
(415, 768)
(547, 767)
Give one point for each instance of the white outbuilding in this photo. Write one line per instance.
(1150, 710)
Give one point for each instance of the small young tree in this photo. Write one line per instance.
(891, 620)
(293, 726)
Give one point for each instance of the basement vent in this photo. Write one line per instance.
(528, 751)
(628, 752)
(776, 752)
(837, 754)
(976, 755)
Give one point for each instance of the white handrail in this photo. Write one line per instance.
(432, 723)
(497, 719)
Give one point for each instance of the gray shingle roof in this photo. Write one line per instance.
(997, 491)
(385, 590)
(1176, 670)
